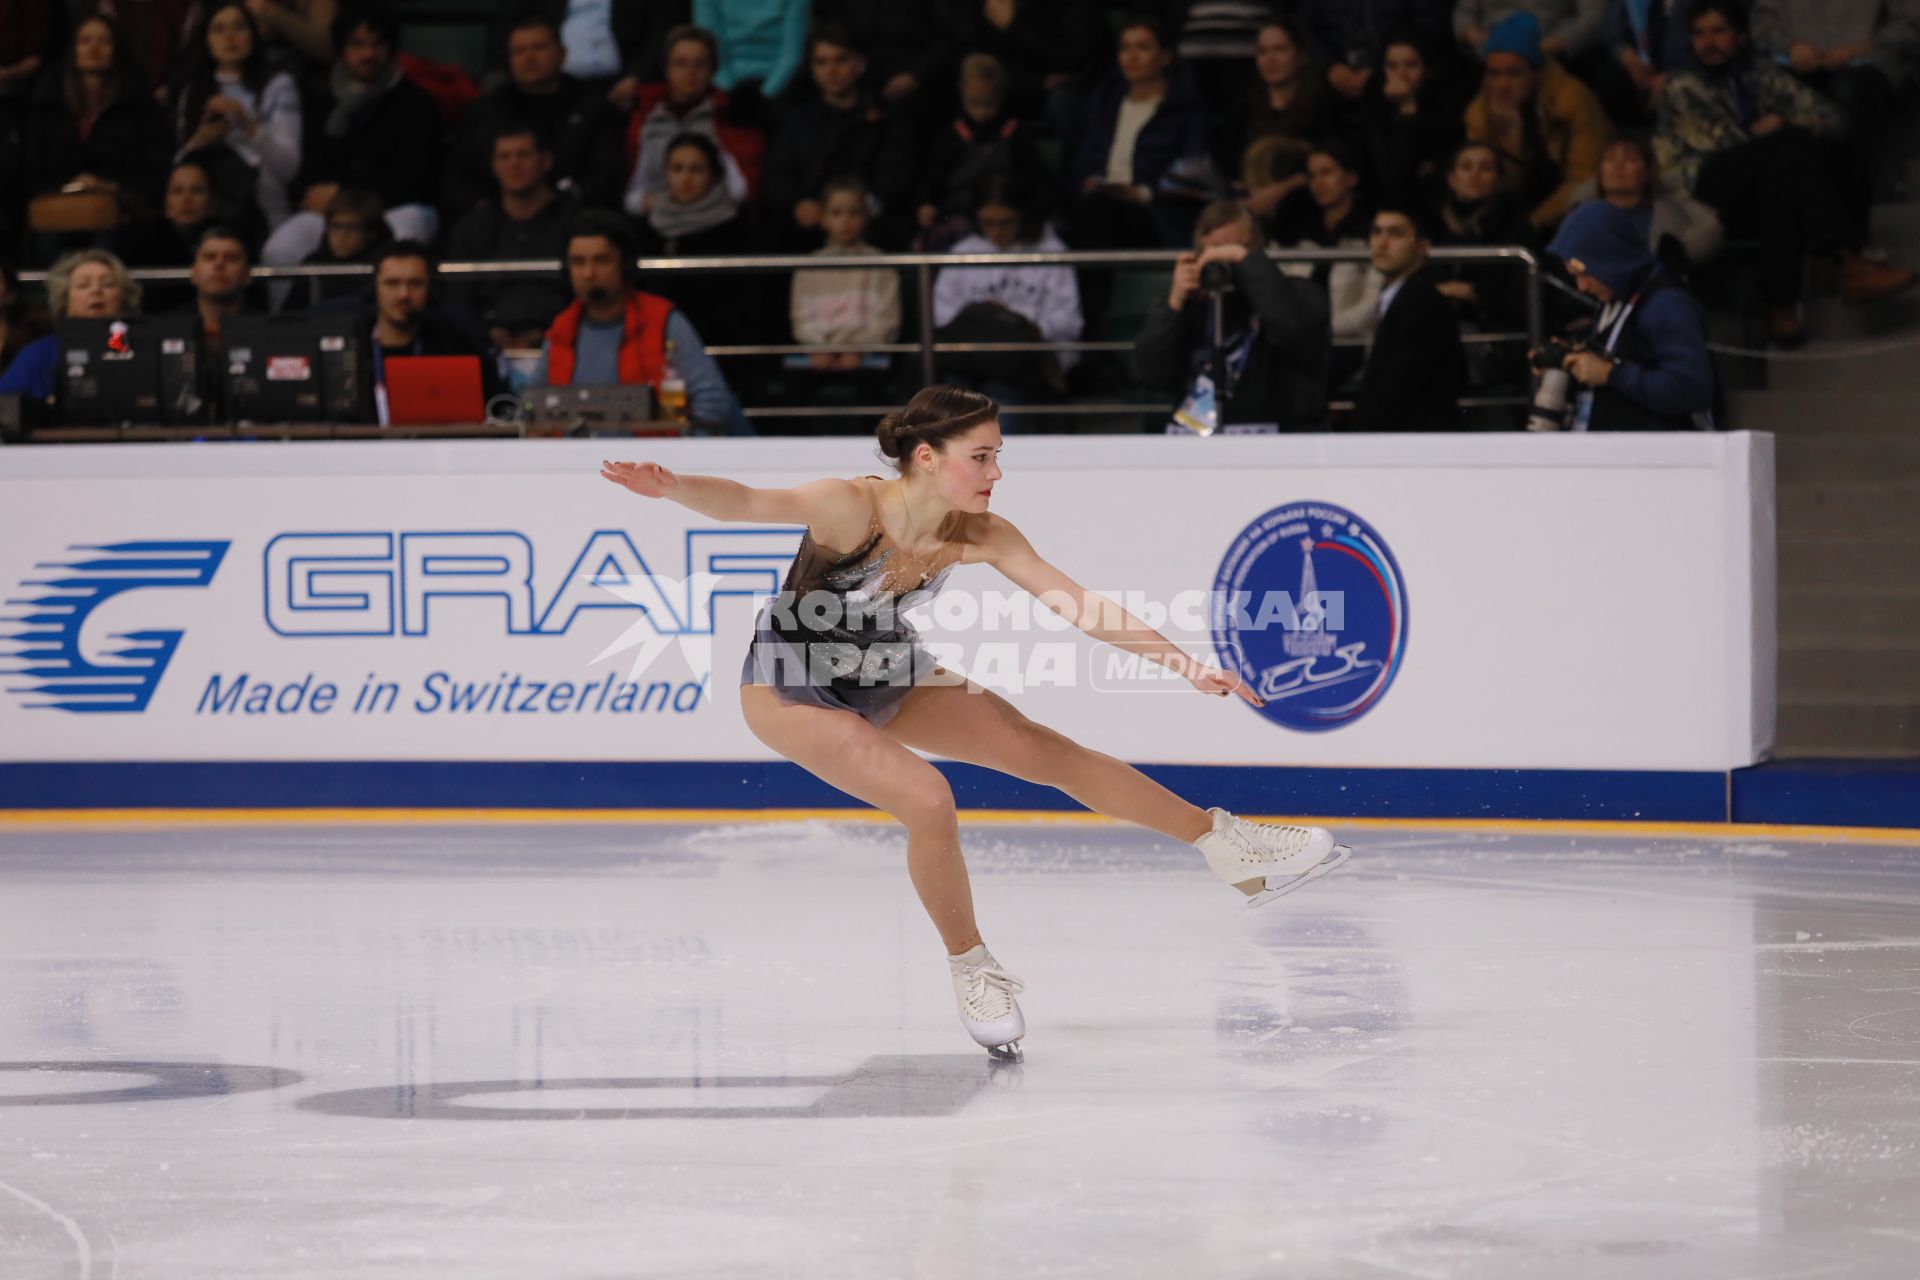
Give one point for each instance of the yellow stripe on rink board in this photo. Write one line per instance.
(58, 818)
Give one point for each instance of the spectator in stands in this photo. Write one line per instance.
(907, 48)
(222, 269)
(1862, 55)
(1350, 37)
(407, 323)
(841, 131)
(298, 33)
(21, 323)
(615, 333)
(983, 140)
(1681, 231)
(1569, 29)
(1645, 364)
(1478, 212)
(1547, 126)
(95, 124)
(355, 231)
(372, 129)
(27, 32)
(1008, 304)
(159, 33)
(1415, 370)
(231, 100)
(1288, 110)
(1740, 134)
(1144, 118)
(1326, 213)
(1270, 348)
(1411, 126)
(698, 217)
(688, 103)
(1644, 40)
(848, 304)
(1215, 41)
(525, 222)
(588, 155)
(90, 284)
(168, 240)
(622, 38)
(762, 44)
(1047, 46)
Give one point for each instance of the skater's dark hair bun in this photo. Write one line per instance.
(936, 414)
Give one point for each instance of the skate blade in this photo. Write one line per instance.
(1329, 863)
(1010, 1052)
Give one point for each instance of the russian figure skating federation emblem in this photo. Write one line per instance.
(1309, 609)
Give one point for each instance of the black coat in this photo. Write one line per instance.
(1285, 378)
(391, 148)
(589, 146)
(813, 142)
(1416, 371)
(131, 143)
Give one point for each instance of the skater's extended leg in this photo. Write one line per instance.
(846, 752)
(978, 726)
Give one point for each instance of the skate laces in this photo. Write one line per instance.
(990, 992)
(1266, 842)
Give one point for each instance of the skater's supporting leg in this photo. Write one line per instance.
(980, 727)
(848, 753)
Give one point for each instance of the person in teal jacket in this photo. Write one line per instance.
(759, 40)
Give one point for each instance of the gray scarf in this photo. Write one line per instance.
(672, 219)
(350, 97)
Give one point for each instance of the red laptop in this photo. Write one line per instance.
(434, 389)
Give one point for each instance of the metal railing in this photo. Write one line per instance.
(925, 266)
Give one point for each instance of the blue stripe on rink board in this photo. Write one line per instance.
(1848, 793)
(1598, 795)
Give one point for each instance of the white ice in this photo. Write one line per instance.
(640, 1049)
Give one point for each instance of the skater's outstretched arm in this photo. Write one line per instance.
(1007, 549)
(831, 503)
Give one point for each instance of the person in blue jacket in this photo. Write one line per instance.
(1145, 123)
(89, 284)
(1645, 365)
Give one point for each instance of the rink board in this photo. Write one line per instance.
(1580, 603)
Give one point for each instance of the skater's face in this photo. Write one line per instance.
(965, 471)
(1715, 42)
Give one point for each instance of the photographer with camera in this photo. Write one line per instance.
(1642, 362)
(1243, 342)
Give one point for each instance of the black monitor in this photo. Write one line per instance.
(143, 371)
(308, 368)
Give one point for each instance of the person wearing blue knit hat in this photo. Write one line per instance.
(1644, 362)
(1547, 126)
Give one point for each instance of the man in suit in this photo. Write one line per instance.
(1415, 372)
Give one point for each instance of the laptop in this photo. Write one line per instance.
(139, 371)
(295, 369)
(425, 390)
(624, 409)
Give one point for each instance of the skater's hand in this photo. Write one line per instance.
(1208, 678)
(648, 479)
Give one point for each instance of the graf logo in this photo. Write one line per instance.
(1330, 660)
(48, 666)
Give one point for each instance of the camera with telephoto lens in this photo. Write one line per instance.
(1216, 277)
(1552, 406)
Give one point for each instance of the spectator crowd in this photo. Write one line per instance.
(1631, 141)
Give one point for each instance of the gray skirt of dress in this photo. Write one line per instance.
(871, 682)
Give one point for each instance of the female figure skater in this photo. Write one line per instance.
(837, 682)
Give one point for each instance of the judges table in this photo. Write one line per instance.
(1584, 602)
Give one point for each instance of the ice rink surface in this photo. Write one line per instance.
(730, 1049)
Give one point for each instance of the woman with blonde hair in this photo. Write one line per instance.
(90, 284)
(837, 681)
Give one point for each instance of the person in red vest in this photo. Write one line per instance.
(615, 333)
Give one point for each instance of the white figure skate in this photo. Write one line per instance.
(985, 994)
(1282, 857)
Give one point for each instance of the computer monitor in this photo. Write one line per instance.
(308, 368)
(139, 370)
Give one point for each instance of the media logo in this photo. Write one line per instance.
(44, 625)
(1311, 612)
